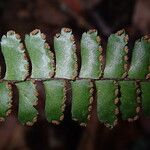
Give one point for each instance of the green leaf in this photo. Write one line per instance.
(17, 66)
(107, 95)
(128, 107)
(114, 94)
(27, 114)
(145, 88)
(82, 97)
(116, 56)
(55, 91)
(42, 58)
(5, 100)
(91, 55)
(65, 52)
(140, 64)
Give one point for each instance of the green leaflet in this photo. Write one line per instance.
(91, 55)
(42, 58)
(17, 66)
(55, 91)
(145, 88)
(27, 114)
(5, 100)
(128, 107)
(82, 97)
(107, 96)
(140, 64)
(65, 52)
(116, 56)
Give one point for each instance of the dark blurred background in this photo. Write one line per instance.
(107, 16)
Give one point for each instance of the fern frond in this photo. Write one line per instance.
(121, 88)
